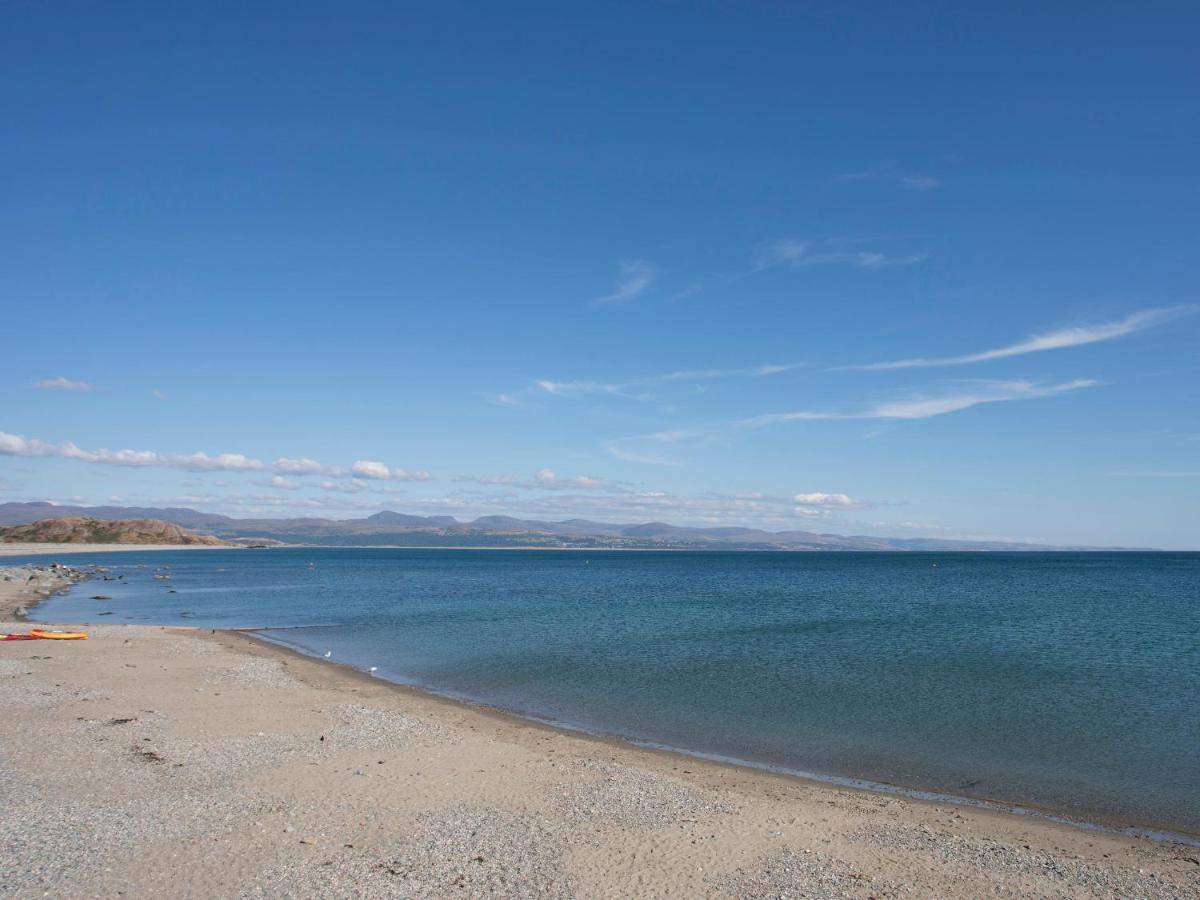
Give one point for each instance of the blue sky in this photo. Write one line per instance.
(919, 271)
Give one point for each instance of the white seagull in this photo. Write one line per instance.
(328, 653)
(372, 669)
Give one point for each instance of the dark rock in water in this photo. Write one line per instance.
(101, 597)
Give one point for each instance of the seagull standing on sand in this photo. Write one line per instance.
(328, 653)
(372, 669)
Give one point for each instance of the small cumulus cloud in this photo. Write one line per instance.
(301, 467)
(377, 471)
(366, 468)
(819, 498)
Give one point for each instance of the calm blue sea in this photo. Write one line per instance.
(1068, 681)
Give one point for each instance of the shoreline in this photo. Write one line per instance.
(458, 797)
(1087, 823)
(1149, 832)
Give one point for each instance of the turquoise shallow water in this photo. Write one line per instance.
(1068, 681)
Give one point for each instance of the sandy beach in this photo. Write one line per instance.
(152, 762)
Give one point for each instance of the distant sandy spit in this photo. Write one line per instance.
(59, 549)
(164, 762)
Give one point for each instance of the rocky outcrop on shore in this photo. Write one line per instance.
(22, 587)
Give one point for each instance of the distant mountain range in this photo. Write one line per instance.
(389, 528)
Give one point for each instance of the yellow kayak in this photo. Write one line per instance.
(58, 635)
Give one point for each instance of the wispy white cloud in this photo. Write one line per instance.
(18, 445)
(635, 388)
(925, 406)
(617, 449)
(714, 374)
(354, 486)
(889, 172)
(635, 276)
(574, 388)
(546, 480)
(1050, 340)
(792, 252)
(63, 384)
(1162, 473)
(638, 448)
(157, 394)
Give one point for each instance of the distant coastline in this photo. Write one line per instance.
(53, 549)
(400, 530)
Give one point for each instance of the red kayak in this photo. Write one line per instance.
(18, 637)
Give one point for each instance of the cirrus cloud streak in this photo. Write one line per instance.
(926, 406)
(1050, 340)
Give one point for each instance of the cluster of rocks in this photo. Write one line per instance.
(35, 583)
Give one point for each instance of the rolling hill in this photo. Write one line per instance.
(91, 530)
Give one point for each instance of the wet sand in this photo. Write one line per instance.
(157, 762)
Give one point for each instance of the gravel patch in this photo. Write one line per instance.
(269, 673)
(141, 745)
(195, 646)
(625, 797)
(367, 727)
(462, 852)
(14, 667)
(49, 843)
(996, 860)
(214, 762)
(802, 874)
(18, 694)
